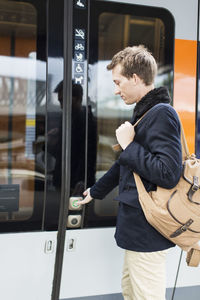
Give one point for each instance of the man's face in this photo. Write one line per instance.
(128, 89)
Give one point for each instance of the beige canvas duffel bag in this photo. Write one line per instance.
(175, 213)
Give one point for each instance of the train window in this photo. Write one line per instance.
(115, 26)
(22, 94)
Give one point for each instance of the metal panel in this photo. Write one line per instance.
(93, 266)
(27, 263)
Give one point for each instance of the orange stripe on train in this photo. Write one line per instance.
(185, 66)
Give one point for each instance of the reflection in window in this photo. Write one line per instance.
(20, 75)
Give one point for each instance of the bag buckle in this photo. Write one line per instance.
(195, 186)
(182, 229)
(193, 189)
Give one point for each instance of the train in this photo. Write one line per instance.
(58, 115)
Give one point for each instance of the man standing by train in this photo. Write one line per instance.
(152, 150)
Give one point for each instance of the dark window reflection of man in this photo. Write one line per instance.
(78, 136)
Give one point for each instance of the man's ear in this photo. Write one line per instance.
(136, 79)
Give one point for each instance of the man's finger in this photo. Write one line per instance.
(84, 201)
(128, 123)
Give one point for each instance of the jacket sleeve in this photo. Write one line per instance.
(160, 162)
(106, 183)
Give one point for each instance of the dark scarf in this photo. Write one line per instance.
(155, 96)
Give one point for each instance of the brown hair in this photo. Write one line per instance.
(138, 60)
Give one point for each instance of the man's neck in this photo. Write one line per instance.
(145, 90)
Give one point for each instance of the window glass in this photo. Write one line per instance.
(114, 27)
(22, 92)
(54, 115)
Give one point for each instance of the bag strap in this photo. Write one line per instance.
(185, 151)
(185, 154)
(117, 147)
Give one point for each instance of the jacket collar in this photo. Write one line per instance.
(155, 96)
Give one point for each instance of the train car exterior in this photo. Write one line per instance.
(58, 115)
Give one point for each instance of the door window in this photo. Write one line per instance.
(112, 28)
(22, 95)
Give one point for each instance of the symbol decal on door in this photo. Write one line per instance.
(79, 68)
(79, 45)
(80, 33)
(81, 3)
(79, 56)
(79, 79)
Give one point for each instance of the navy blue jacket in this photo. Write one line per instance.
(155, 154)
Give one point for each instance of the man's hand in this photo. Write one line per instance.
(87, 198)
(125, 134)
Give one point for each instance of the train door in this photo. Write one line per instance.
(58, 117)
(92, 263)
(31, 59)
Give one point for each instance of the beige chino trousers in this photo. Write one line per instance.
(144, 275)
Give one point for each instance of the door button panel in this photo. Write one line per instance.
(73, 203)
(74, 221)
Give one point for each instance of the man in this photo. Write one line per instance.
(152, 150)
